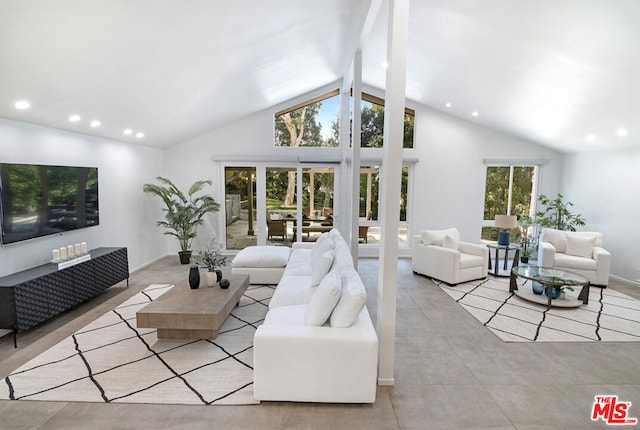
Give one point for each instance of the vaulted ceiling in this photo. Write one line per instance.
(560, 73)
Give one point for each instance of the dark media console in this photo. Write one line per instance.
(31, 297)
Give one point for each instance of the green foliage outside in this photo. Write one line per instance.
(375, 186)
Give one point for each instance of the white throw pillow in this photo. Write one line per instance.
(321, 267)
(557, 238)
(450, 242)
(352, 300)
(435, 237)
(324, 299)
(580, 246)
(262, 256)
(324, 246)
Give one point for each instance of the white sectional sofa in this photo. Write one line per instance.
(317, 343)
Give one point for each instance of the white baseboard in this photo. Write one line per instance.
(4, 332)
(131, 270)
(635, 283)
(386, 381)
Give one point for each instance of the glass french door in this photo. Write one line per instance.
(240, 206)
(263, 204)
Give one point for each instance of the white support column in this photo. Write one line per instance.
(355, 153)
(390, 185)
(342, 211)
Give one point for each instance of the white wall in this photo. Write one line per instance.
(450, 176)
(126, 217)
(603, 186)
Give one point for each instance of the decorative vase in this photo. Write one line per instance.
(224, 284)
(194, 277)
(213, 277)
(537, 287)
(555, 292)
(185, 257)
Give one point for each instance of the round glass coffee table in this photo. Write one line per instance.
(549, 277)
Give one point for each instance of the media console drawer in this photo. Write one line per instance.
(33, 296)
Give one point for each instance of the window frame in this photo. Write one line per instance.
(535, 184)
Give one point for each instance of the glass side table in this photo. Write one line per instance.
(505, 270)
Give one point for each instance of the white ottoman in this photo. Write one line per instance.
(263, 264)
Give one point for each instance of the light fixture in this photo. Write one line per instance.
(448, 104)
(591, 137)
(127, 131)
(139, 135)
(622, 132)
(474, 113)
(22, 105)
(505, 222)
(95, 123)
(74, 118)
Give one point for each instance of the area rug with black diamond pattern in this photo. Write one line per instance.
(609, 315)
(111, 360)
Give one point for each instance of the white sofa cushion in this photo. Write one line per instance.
(580, 246)
(571, 262)
(262, 256)
(292, 290)
(321, 266)
(435, 237)
(557, 238)
(450, 242)
(324, 246)
(324, 299)
(470, 260)
(352, 300)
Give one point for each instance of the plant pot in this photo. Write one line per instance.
(185, 257)
(524, 259)
(194, 277)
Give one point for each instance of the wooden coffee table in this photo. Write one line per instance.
(183, 313)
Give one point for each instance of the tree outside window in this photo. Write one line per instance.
(373, 126)
(508, 191)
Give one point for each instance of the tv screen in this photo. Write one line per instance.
(39, 200)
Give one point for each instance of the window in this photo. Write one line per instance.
(313, 123)
(373, 123)
(369, 203)
(509, 190)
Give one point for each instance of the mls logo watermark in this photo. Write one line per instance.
(611, 411)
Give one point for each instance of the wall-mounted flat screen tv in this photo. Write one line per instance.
(39, 200)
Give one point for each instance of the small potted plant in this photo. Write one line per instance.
(527, 241)
(211, 259)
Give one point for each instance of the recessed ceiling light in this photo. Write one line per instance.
(127, 131)
(384, 64)
(622, 132)
(74, 118)
(22, 105)
(591, 137)
(474, 113)
(95, 123)
(139, 135)
(448, 105)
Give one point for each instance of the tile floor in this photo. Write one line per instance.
(450, 373)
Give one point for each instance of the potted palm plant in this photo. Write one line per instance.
(183, 212)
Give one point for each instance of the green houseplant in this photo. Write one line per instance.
(211, 258)
(183, 212)
(556, 214)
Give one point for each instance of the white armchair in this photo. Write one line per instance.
(579, 252)
(439, 254)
